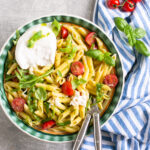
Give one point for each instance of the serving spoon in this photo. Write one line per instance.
(94, 112)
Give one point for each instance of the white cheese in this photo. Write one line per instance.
(79, 99)
(43, 51)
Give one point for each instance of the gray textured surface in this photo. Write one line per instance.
(14, 13)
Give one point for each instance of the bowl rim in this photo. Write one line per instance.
(77, 17)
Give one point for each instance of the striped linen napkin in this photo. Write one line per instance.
(129, 127)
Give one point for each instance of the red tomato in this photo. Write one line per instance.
(111, 80)
(48, 124)
(18, 104)
(67, 88)
(136, 1)
(113, 4)
(128, 6)
(77, 68)
(64, 32)
(90, 38)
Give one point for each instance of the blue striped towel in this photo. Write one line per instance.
(129, 127)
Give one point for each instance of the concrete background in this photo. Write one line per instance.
(14, 13)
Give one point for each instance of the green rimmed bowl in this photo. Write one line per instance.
(62, 18)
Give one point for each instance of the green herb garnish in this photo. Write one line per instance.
(59, 73)
(63, 123)
(99, 94)
(46, 104)
(56, 27)
(38, 35)
(88, 103)
(17, 37)
(132, 35)
(9, 77)
(76, 82)
(27, 80)
(47, 119)
(40, 94)
(71, 51)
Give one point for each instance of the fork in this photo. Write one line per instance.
(94, 112)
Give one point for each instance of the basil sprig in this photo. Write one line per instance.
(132, 35)
(98, 55)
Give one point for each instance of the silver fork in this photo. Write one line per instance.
(94, 112)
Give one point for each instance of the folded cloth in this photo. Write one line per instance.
(129, 127)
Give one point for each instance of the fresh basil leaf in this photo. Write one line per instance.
(76, 82)
(41, 94)
(139, 33)
(96, 54)
(141, 48)
(38, 35)
(59, 73)
(129, 32)
(56, 27)
(108, 59)
(120, 23)
(63, 123)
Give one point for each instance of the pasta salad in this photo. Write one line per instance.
(53, 73)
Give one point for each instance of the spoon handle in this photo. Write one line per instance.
(97, 132)
(82, 132)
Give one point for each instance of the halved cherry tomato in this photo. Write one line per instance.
(113, 4)
(90, 38)
(111, 80)
(136, 1)
(64, 32)
(77, 68)
(18, 104)
(128, 6)
(67, 88)
(48, 124)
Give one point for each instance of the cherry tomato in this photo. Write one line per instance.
(64, 32)
(128, 6)
(48, 124)
(77, 68)
(111, 80)
(18, 104)
(113, 4)
(67, 88)
(90, 38)
(136, 1)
